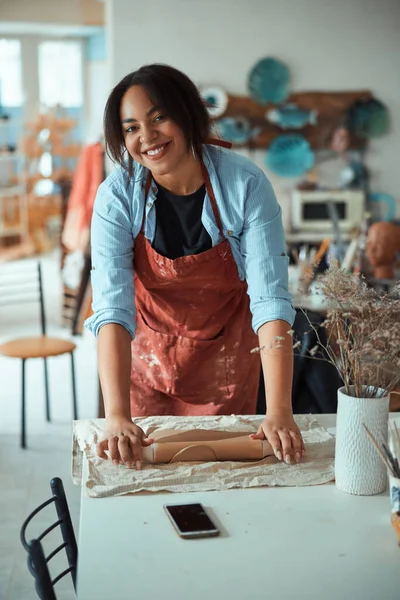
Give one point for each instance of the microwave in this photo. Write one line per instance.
(311, 210)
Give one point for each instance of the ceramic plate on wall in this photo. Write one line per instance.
(268, 81)
(237, 130)
(216, 100)
(369, 119)
(290, 155)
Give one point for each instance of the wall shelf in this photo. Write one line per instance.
(13, 196)
(12, 190)
(7, 156)
(310, 237)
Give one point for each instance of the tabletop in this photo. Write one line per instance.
(305, 542)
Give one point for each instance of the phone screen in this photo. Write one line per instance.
(191, 519)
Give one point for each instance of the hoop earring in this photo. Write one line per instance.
(194, 151)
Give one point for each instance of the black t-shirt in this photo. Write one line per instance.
(179, 230)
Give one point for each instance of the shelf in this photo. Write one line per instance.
(310, 236)
(6, 156)
(11, 231)
(12, 190)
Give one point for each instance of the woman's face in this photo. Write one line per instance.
(151, 138)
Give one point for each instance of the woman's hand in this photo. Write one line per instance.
(124, 440)
(282, 432)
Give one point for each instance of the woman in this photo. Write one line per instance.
(189, 261)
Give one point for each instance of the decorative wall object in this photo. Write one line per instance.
(290, 155)
(340, 139)
(216, 99)
(337, 122)
(237, 130)
(290, 116)
(355, 175)
(368, 118)
(384, 204)
(269, 81)
(329, 110)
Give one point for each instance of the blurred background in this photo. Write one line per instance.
(308, 89)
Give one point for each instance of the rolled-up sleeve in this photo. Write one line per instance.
(112, 260)
(263, 248)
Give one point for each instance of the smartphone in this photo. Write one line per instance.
(191, 520)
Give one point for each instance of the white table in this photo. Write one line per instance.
(278, 543)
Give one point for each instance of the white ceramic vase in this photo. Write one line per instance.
(358, 467)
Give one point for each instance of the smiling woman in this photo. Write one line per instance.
(166, 94)
(156, 141)
(189, 272)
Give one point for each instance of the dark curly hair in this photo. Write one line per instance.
(176, 96)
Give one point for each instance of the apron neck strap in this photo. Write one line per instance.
(210, 191)
(146, 192)
(216, 142)
(148, 184)
(213, 201)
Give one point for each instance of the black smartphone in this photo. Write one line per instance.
(191, 520)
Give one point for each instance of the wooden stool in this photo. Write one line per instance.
(35, 347)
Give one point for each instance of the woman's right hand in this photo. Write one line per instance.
(124, 440)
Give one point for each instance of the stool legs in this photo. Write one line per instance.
(46, 383)
(23, 411)
(75, 407)
(46, 387)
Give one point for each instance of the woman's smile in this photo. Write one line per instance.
(152, 138)
(158, 152)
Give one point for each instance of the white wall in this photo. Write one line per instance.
(327, 44)
(97, 89)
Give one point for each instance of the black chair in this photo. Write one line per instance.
(36, 560)
(21, 286)
(315, 382)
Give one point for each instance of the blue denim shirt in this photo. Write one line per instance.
(251, 218)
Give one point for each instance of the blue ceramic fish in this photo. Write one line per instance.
(290, 116)
(237, 130)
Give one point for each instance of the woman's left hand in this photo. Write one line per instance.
(282, 432)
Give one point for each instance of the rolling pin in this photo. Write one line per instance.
(200, 445)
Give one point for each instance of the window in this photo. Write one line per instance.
(10, 73)
(60, 73)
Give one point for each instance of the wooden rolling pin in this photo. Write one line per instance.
(199, 445)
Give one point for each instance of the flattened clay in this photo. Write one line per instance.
(200, 445)
(195, 453)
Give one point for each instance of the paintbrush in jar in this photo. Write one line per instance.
(391, 467)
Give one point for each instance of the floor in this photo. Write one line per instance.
(25, 474)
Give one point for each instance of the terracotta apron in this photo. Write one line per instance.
(191, 353)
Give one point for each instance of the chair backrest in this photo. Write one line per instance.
(37, 561)
(22, 284)
(37, 566)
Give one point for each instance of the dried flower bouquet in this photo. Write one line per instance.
(363, 339)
